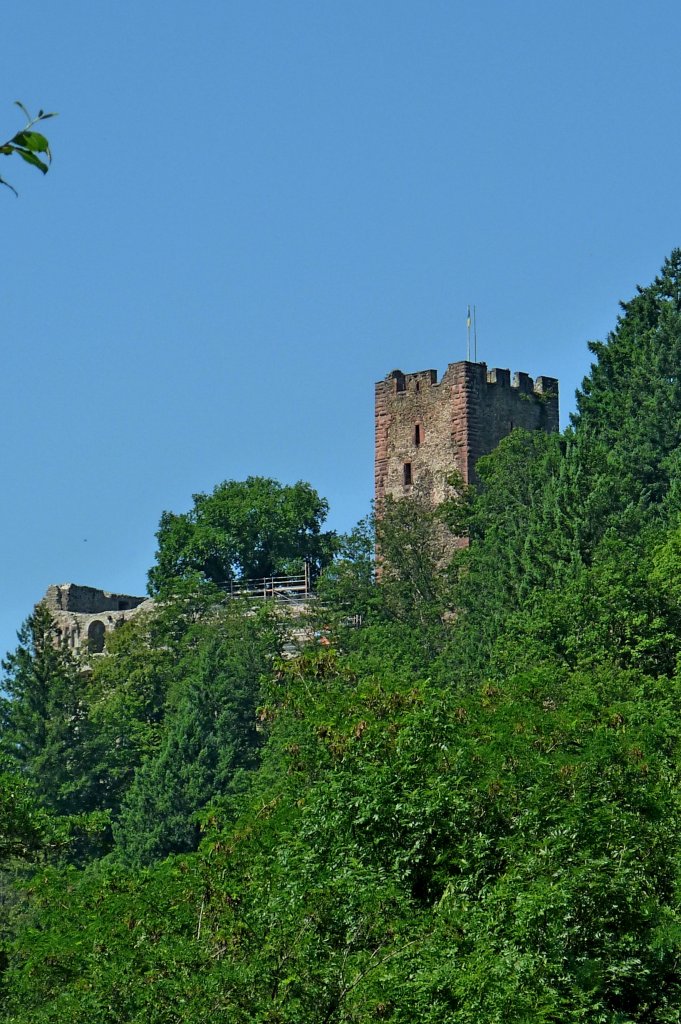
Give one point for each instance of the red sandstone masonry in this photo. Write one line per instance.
(461, 418)
(382, 422)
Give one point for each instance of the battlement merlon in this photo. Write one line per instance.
(398, 383)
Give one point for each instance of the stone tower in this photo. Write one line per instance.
(427, 428)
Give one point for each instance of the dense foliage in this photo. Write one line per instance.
(243, 529)
(448, 796)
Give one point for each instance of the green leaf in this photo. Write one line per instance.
(18, 103)
(34, 141)
(31, 158)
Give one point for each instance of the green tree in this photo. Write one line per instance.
(516, 542)
(243, 529)
(412, 547)
(209, 738)
(347, 584)
(408, 853)
(126, 695)
(631, 399)
(25, 826)
(43, 714)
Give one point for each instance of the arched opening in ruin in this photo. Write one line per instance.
(95, 637)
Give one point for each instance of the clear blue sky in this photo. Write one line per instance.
(258, 208)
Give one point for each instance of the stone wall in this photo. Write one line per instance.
(83, 615)
(426, 428)
(69, 597)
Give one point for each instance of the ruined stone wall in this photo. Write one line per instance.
(426, 428)
(69, 597)
(83, 615)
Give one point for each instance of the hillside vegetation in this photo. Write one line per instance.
(458, 804)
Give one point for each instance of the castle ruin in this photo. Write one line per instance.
(426, 430)
(83, 615)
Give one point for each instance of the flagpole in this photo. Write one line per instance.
(475, 336)
(468, 335)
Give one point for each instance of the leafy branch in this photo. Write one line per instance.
(28, 144)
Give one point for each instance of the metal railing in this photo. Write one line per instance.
(294, 588)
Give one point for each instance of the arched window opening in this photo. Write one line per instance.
(95, 637)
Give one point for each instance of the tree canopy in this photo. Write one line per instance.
(243, 530)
